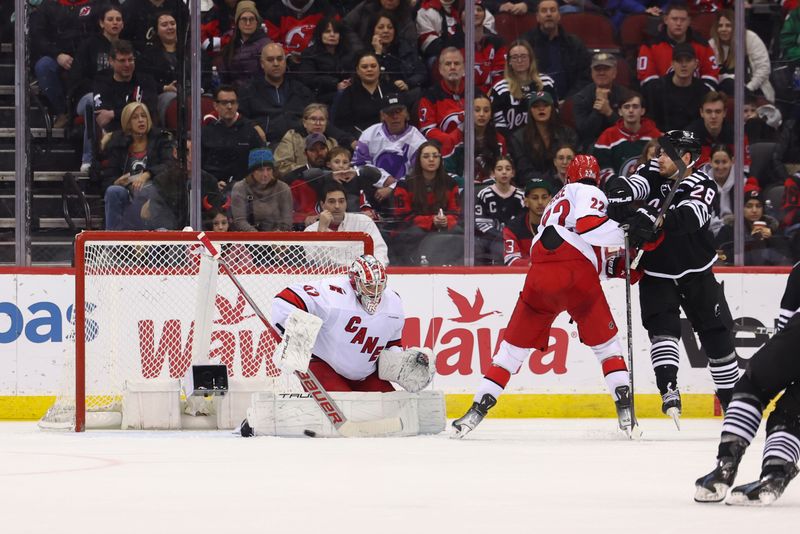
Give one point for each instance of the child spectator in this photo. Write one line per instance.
(519, 232)
(495, 205)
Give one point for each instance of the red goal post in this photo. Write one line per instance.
(136, 300)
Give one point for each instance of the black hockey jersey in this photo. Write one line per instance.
(492, 211)
(790, 302)
(688, 245)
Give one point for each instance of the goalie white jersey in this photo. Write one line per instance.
(350, 340)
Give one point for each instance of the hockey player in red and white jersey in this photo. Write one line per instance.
(360, 319)
(567, 262)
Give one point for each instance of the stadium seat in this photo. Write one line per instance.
(171, 113)
(774, 195)
(624, 74)
(702, 23)
(635, 30)
(595, 30)
(511, 27)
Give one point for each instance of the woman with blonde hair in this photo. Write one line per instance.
(131, 157)
(290, 154)
(758, 65)
(521, 78)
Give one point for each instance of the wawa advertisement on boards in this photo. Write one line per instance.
(461, 316)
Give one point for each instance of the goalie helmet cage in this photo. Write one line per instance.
(136, 304)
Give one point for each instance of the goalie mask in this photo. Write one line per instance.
(368, 278)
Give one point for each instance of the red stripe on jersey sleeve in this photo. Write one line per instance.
(292, 298)
(588, 223)
(394, 343)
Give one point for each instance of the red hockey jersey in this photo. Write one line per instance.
(655, 59)
(440, 113)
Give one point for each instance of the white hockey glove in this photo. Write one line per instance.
(412, 368)
(299, 335)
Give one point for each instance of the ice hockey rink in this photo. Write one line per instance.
(510, 475)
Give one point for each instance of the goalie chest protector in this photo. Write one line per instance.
(350, 339)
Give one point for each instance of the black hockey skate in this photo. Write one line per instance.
(246, 430)
(671, 404)
(767, 490)
(714, 486)
(625, 417)
(467, 423)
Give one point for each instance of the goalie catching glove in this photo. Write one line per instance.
(412, 368)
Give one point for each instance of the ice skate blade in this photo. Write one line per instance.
(460, 433)
(704, 495)
(634, 433)
(765, 498)
(675, 413)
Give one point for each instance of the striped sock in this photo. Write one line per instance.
(783, 445)
(743, 417)
(666, 359)
(724, 371)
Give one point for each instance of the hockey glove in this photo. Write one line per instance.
(641, 227)
(620, 198)
(615, 266)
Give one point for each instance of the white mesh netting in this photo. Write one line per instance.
(140, 304)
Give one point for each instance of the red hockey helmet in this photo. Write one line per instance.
(583, 167)
(368, 278)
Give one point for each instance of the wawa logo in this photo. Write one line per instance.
(456, 347)
(231, 338)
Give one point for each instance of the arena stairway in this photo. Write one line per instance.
(62, 195)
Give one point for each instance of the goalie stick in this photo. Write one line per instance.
(670, 151)
(345, 427)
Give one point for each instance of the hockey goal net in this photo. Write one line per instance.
(136, 302)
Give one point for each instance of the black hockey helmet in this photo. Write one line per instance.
(684, 141)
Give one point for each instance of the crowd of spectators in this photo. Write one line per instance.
(335, 114)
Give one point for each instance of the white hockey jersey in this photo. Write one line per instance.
(350, 340)
(578, 213)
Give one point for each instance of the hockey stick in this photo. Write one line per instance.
(345, 427)
(670, 151)
(635, 433)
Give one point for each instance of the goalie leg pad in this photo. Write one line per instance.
(299, 335)
(412, 368)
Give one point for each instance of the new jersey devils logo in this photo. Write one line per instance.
(469, 313)
(85, 11)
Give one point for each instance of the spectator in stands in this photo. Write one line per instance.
(160, 60)
(59, 28)
(399, 59)
(619, 146)
(436, 20)
(759, 67)
(123, 84)
(306, 182)
(495, 206)
(327, 65)
(489, 145)
(790, 36)
(763, 243)
(720, 168)
(292, 22)
(216, 26)
(228, 140)
(714, 128)
(596, 106)
(619, 9)
(441, 108)
(534, 146)
(519, 232)
(141, 19)
(92, 57)
(359, 104)
(290, 152)
(559, 54)
(334, 217)
(391, 146)
(274, 101)
(261, 202)
(216, 220)
(521, 77)
(655, 58)
(512, 8)
(355, 180)
(648, 152)
(428, 202)
(131, 157)
(239, 60)
(166, 197)
(757, 127)
(556, 175)
(361, 19)
(673, 99)
(490, 50)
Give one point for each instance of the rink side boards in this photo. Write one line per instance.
(441, 311)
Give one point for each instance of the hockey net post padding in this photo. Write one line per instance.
(135, 305)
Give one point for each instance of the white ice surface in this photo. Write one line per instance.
(535, 475)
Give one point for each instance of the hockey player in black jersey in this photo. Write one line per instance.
(774, 368)
(678, 272)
